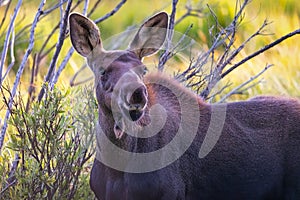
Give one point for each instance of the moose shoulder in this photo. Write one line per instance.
(256, 154)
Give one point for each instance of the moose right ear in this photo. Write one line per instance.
(84, 34)
(151, 35)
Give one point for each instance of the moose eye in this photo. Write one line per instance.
(145, 70)
(102, 72)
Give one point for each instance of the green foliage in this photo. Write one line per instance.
(54, 139)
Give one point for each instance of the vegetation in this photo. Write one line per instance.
(48, 145)
(53, 141)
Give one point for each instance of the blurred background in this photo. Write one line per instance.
(284, 15)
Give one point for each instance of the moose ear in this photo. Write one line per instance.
(150, 36)
(84, 33)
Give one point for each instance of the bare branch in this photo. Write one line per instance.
(229, 32)
(11, 180)
(63, 30)
(166, 54)
(111, 13)
(265, 48)
(81, 82)
(72, 81)
(6, 41)
(190, 11)
(20, 71)
(54, 7)
(93, 8)
(86, 5)
(5, 14)
(237, 89)
(12, 54)
(62, 67)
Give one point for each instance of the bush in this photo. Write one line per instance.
(54, 141)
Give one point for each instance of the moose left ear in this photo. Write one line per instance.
(84, 34)
(150, 36)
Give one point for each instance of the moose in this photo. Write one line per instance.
(256, 155)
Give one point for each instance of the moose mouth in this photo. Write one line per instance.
(135, 114)
(132, 112)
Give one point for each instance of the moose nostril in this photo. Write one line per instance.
(138, 96)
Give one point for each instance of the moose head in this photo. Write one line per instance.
(119, 74)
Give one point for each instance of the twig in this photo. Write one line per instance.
(230, 32)
(93, 8)
(20, 71)
(12, 54)
(31, 89)
(11, 175)
(61, 39)
(76, 74)
(54, 7)
(5, 14)
(235, 90)
(6, 41)
(111, 13)
(69, 54)
(81, 82)
(62, 67)
(86, 6)
(265, 48)
(166, 54)
(190, 11)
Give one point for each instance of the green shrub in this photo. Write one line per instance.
(54, 140)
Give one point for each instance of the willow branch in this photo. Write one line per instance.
(166, 54)
(63, 29)
(7, 39)
(20, 71)
(235, 90)
(265, 48)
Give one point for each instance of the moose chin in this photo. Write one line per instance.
(257, 154)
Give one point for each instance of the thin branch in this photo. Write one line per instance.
(72, 81)
(6, 41)
(71, 50)
(81, 82)
(265, 48)
(12, 54)
(5, 14)
(11, 175)
(54, 7)
(166, 54)
(236, 51)
(235, 90)
(111, 13)
(62, 67)
(61, 39)
(20, 71)
(86, 6)
(190, 11)
(93, 8)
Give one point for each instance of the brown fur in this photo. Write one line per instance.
(256, 157)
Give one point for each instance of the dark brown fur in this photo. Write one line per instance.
(256, 157)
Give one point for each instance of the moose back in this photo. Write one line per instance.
(256, 155)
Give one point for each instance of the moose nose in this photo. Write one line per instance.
(138, 98)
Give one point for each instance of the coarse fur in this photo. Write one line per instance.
(257, 155)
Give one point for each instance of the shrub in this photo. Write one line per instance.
(54, 141)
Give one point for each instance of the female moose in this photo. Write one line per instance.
(255, 156)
